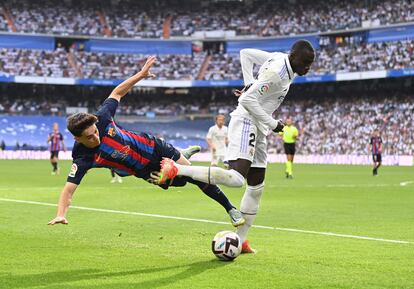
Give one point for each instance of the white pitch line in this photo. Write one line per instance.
(403, 184)
(210, 221)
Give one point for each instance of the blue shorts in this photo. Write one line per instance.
(162, 150)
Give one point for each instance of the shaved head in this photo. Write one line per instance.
(301, 57)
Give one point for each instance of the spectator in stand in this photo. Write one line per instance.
(138, 19)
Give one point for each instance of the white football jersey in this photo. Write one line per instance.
(218, 137)
(268, 91)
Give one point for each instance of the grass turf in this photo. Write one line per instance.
(107, 250)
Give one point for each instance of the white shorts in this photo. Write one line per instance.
(246, 142)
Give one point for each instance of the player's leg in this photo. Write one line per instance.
(214, 160)
(214, 192)
(289, 151)
(242, 135)
(53, 162)
(374, 170)
(379, 162)
(290, 165)
(255, 184)
(57, 162)
(113, 180)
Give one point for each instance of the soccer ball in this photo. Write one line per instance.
(226, 245)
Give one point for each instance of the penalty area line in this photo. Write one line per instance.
(210, 221)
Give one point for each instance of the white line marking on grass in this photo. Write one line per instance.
(210, 221)
(403, 184)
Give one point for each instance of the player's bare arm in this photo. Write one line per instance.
(64, 203)
(121, 90)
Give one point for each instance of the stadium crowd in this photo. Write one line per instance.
(327, 126)
(137, 19)
(343, 58)
(344, 126)
(365, 57)
(117, 66)
(23, 62)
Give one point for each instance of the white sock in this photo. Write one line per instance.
(212, 175)
(248, 207)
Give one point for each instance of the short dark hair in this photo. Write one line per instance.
(80, 121)
(302, 45)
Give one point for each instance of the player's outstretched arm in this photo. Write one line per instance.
(121, 90)
(64, 203)
(249, 57)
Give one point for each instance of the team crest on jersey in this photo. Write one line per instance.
(264, 88)
(251, 152)
(73, 170)
(111, 132)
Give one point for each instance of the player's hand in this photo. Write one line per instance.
(145, 71)
(58, 220)
(154, 178)
(279, 127)
(237, 92)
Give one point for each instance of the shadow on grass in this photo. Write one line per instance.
(52, 279)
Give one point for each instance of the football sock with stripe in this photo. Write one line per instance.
(212, 175)
(249, 207)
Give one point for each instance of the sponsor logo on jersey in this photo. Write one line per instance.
(264, 88)
(121, 154)
(73, 170)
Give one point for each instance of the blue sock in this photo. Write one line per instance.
(213, 192)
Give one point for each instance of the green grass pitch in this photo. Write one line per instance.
(113, 250)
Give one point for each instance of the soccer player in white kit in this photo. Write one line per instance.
(217, 140)
(249, 125)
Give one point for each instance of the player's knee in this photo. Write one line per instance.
(235, 179)
(251, 199)
(256, 191)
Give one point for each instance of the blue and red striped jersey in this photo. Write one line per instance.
(375, 142)
(55, 139)
(125, 152)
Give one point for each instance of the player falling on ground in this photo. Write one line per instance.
(217, 140)
(56, 142)
(289, 135)
(249, 125)
(375, 148)
(100, 142)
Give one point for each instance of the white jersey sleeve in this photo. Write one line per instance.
(267, 82)
(249, 57)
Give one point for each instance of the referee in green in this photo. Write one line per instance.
(289, 135)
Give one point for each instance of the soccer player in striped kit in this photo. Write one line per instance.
(375, 147)
(101, 143)
(56, 142)
(249, 125)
